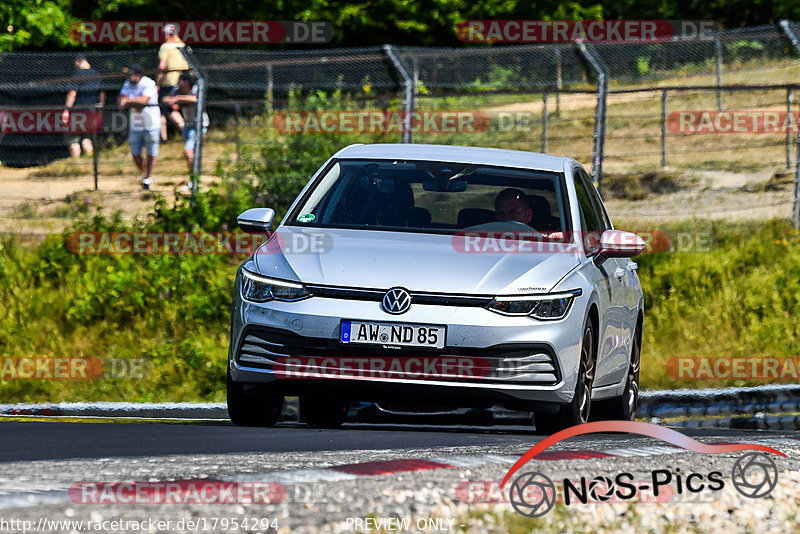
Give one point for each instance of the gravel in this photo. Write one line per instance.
(426, 496)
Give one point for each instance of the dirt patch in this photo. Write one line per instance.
(728, 205)
(44, 199)
(572, 101)
(779, 181)
(641, 186)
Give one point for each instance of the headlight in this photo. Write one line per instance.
(257, 288)
(545, 307)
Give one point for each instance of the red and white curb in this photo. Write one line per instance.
(341, 472)
(338, 473)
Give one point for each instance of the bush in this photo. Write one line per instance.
(737, 300)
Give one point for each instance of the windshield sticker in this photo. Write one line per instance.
(306, 217)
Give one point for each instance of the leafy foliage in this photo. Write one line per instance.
(736, 299)
(286, 161)
(410, 22)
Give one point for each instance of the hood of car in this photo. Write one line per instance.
(416, 261)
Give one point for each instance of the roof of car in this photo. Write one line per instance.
(455, 154)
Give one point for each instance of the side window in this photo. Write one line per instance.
(590, 221)
(602, 216)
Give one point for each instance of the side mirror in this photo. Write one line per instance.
(256, 220)
(620, 244)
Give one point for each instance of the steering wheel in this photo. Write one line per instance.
(503, 226)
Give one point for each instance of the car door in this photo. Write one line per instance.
(626, 269)
(611, 275)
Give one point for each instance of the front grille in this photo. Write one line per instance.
(417, 297)
(295, 356)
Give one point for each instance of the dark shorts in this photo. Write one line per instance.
(163, 91)
(71, 139)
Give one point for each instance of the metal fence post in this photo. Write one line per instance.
(409, 89)
(558, 82)
(200, 108)
(544, 123)
(416, 74)
(269, 89)
(98, 109)
(793, 34)
(599, 112)
(788, 130)
(718, 46)
(94, 158)
(237, 114)
(796, 199)
(663, 128)
(199, 112)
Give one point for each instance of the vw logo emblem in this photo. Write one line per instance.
(396, 301)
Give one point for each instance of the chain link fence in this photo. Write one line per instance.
(612, 106)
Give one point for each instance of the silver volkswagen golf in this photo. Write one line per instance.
(440, 276)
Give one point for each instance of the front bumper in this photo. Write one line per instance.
(294, 346)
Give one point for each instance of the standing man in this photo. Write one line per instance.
(185, 96)
(140, 95)
(170, 65)
(86, 95)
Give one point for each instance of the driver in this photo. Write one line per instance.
(513, 205)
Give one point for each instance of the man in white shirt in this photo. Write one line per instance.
(139, 95)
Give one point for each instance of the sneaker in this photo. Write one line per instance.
(147, 183)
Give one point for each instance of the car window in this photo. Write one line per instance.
(590, 219)
(438, 197)
(597, 203)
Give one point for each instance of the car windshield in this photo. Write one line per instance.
(433, 196)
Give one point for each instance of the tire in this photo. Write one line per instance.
(578, 410)
(251, 405)
(321, 412)
(625, 406)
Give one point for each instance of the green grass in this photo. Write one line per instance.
(740, 297)
(172, 311)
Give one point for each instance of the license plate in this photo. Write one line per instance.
(393, 334)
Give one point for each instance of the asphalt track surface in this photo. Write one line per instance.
(40, 440)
